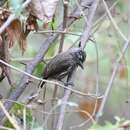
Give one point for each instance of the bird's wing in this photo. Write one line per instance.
(57, 65)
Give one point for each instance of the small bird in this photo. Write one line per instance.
(63, 65)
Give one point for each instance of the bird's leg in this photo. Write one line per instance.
(71, 71)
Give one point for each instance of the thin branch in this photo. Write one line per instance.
(113, 22)
(84, 122)
(6, 58)
(97, 78)
(64, 25)
(62, 109)
(44, 80)
(12, 121)
(57, 31)
(110, 83)
(88, 26)
(82, 12)
(7, 23)
(105, 14)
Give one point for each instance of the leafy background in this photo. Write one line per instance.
(109, 44)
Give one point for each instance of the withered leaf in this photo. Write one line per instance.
(123, 71)
(43, 9)
(31, 24)
(15, 32)
(88, 105)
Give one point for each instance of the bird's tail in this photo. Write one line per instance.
(41, 84)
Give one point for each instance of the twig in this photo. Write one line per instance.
(55, 31)
(110, 83)
(97, 78)
(62, 109)
(82, 12)
(113, 22)
(24, 119)
(13, 122)
(51, 112)
(105, 14)
(88, 26)
(13, 17)
(44, 80)
(6, 58)
(64, 27)
(99, 22)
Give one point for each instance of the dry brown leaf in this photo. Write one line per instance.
(88, 105)
(31, 23)
(43, 9)
(123, 71)
(15, 32)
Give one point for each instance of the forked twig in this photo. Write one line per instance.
(110, 83)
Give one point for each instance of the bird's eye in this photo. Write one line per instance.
(80, 56)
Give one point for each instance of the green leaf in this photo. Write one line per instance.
(39, 69)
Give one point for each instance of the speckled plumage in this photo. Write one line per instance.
(64, 64)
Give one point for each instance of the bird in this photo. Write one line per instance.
(63, 65)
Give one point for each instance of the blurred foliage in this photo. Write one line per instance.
(17, 111)
(37, 128)
(109, 44)
(107, 126)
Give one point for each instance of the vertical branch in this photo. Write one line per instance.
(110, 83)
(62, 109)
(84, 38)
(7, 59)
(88, 25)
(64, 26)
(2, 75)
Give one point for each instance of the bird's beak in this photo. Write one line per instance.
(81, 65)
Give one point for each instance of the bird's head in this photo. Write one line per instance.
(80, 56)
